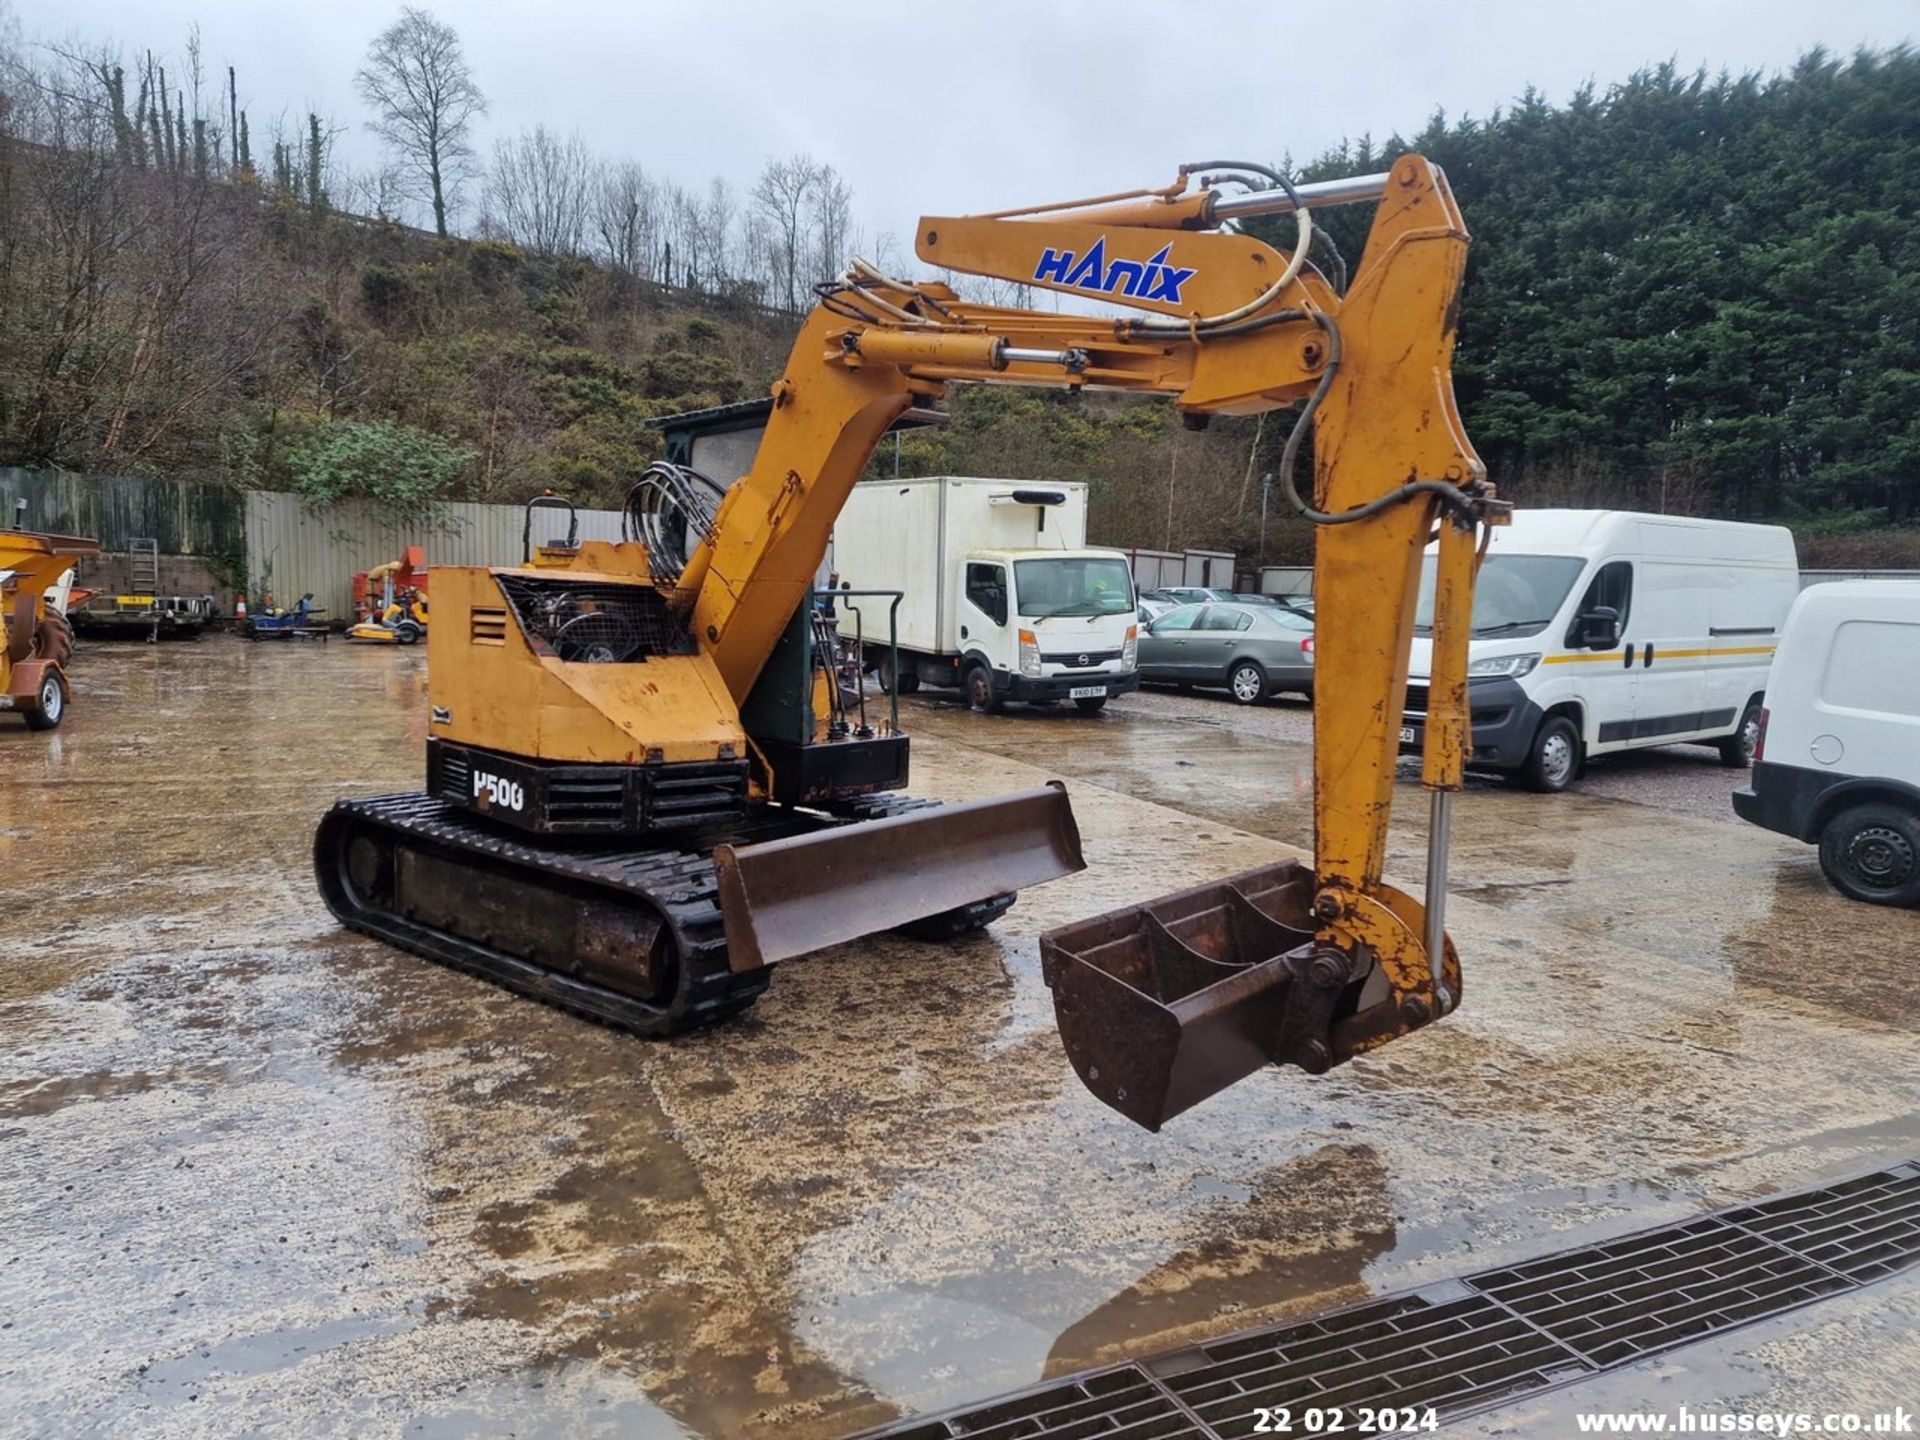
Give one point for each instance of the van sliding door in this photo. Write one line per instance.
(1671, 628)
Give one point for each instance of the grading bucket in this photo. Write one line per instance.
(1163, 1004)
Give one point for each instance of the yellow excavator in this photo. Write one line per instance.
(644, 787)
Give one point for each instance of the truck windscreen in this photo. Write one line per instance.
(1515, 594)
(1072, 585)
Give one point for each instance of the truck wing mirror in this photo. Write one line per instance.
(1598, 628)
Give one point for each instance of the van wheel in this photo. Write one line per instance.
(1247, 683)
(978, 688)
(1554, 761)
(1736, 751)
(1872, 853)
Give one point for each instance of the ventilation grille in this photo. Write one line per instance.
(602, 797)
(452, 779)
(1416, 699)
(592, 622)
(1467, 1345)
(488, 626)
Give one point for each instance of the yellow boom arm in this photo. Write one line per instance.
(1228, 325)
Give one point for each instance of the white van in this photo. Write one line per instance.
(1604, 630)
(1839, 763)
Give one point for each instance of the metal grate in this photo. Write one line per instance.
(592, 622)
(1469, 1344)
(1865, 1229)
(1122, 1404)
(1615, 1303)
(1418, 1351)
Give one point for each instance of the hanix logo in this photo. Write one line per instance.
(1152, 279)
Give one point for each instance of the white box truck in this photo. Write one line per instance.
(1003, 598)
(1604, 630)
(1839, 765)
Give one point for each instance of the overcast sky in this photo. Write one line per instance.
(983, 104)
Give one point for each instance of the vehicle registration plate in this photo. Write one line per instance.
(1406, 735)
(1086, 692)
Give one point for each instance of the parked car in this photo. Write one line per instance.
(1838, 763)
(1192, 594)
(1251, 651)
(1298, 604)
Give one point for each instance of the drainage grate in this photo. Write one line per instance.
(1469, 1344)
(1120, 1404)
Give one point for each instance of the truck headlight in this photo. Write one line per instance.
(1130, 652)
(1510, 667)
(1029, 653)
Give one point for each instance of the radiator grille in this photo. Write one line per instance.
(593, 622)
(1082, 658)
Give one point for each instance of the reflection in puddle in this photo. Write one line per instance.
(949, 1323)
(571, 1400)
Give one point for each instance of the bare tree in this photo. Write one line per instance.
(716, 232)
(781, 199)
(424, 100)
(537, 190)
(832, 223)
(626, 220)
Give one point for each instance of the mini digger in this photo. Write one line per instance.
(399, 615)
(643, 787)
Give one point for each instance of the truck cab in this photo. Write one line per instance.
(1001, 597)
(1047, 625)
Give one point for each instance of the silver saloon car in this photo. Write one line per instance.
(1250, 651)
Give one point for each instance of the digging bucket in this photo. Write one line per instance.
(786, 898)
(1163, 1004)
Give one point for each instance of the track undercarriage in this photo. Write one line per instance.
(630, 933)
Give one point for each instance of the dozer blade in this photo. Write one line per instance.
(1163, 1004)
(789, 897)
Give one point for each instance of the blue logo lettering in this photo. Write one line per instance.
(1154, 279)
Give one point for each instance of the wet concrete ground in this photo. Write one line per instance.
(257, 1175)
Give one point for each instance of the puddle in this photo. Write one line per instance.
(332, 1189)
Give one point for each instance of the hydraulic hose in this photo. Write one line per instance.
(1451, 495)
(1212, 325)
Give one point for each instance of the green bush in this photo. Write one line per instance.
(401, 469)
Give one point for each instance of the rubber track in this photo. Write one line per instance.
(678, 882)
